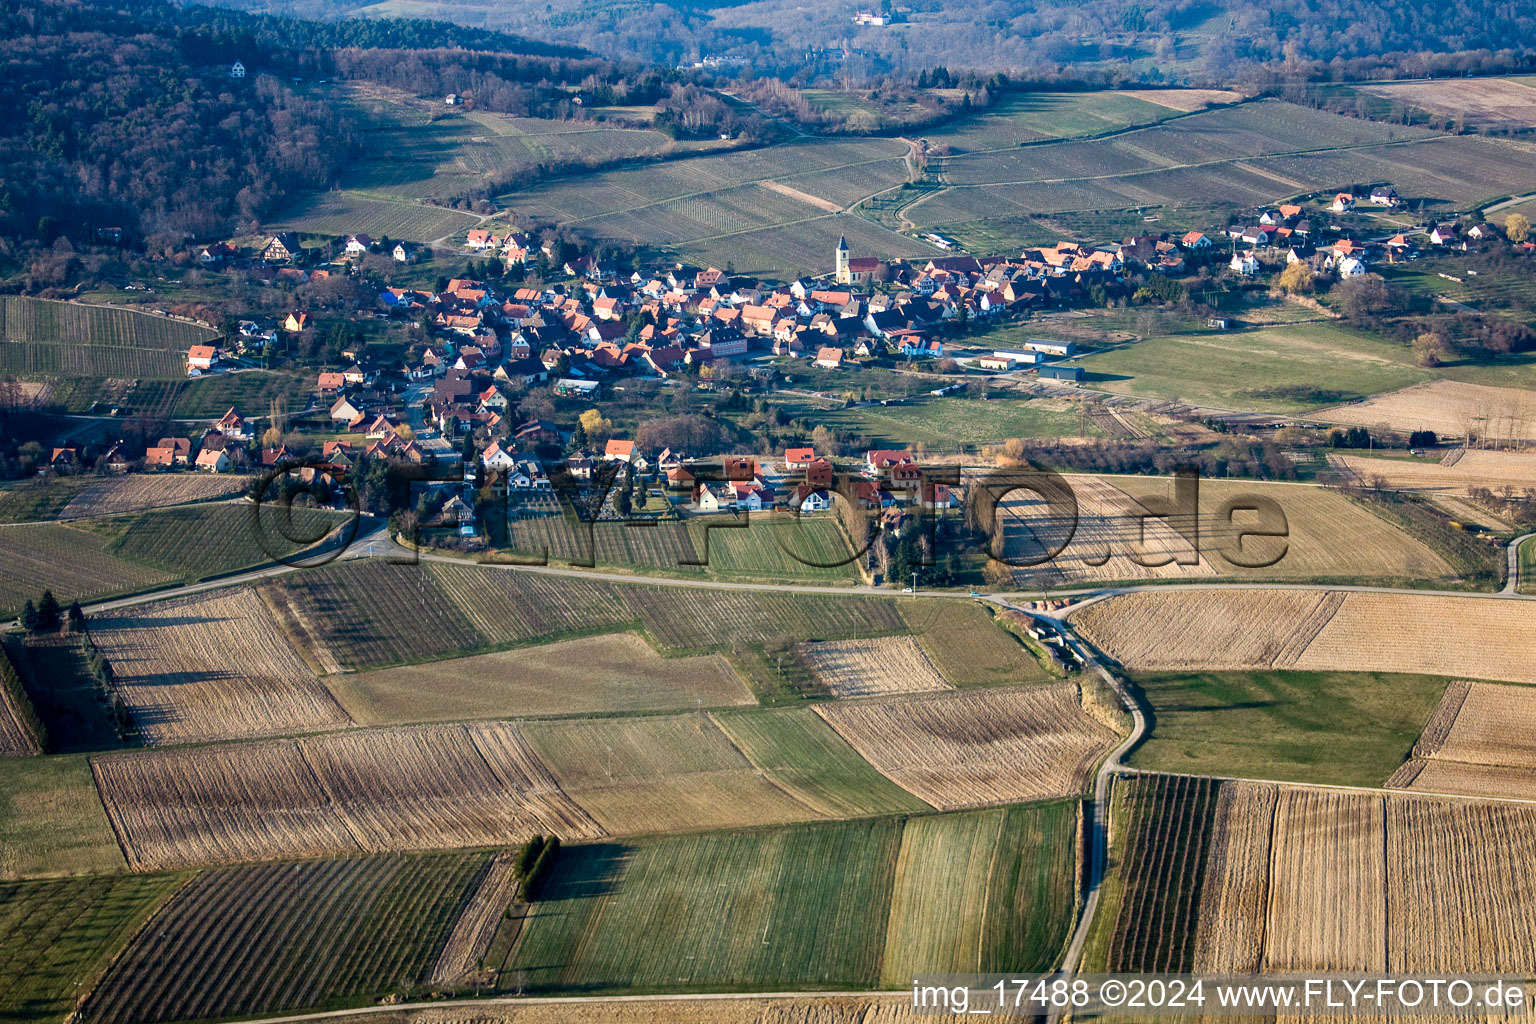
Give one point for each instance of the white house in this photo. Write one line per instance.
(1243, 264)
(212, 461)
(497, 458)
(237, 70)
(358, 244)
(1350, 266)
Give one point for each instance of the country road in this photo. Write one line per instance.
(1512, 579)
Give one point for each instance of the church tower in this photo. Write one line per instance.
(844, 275)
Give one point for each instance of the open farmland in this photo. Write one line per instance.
(210, 667)
(874, 1008)
(367, 614)
(137, 492)
(801, 754)
(977, 890)
(209, 805)
(1315, 630)
(1286, 368)
(51, 820)
(1342, 728)
(73, 563)
(340, 213)
(1470, 468)
(732, 910)
(41, 336)
(866, 668)
(760, 549)
(1449, 408)
(1477, 742)
(1304, 880)
(45, 320)
(56, 938)
(979, 747)
(753, 909)
(1508, 103)
(969, 648)
(615, 672)
(659, 774)
(243, 940)
(379, 789)
(476, 926)
(719, 209)
(1162, 840)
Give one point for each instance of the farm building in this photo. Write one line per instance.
(1071, 373)
(1051, 348)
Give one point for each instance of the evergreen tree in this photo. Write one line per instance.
(49, 615)
(29, 617)
(76, 617)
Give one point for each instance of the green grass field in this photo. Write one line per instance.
(1289, 368)
(761, 547)
(51, 820)
(800, 752)
(952, 423)
(1346, 728)
(795, 907)
(1527, 564)
(56, 937)
(968, 648)
(982, 889)
(805, 906)
(27, 501)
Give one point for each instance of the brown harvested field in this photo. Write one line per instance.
(138, 491)
(431, 787)
(1321, 630)
(212, 805)
(1481, 741)
(1328, 880)
(615, 672)
(1236, 892)
(1474, 468)
(1449, 408)
(1201, 629)
(797, 1009)
(370, 790)
(1184, 100)
(1480, 102)
(659, 773)
(866, 668)
(211, 667)
(472, 933)
(977, 747)
(1328, 536)
(1483, 638)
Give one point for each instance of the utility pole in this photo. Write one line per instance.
(914, 581)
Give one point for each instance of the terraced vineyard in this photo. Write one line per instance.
(289, 936)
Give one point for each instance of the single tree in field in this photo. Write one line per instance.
(1430, 348)
(1517, 227)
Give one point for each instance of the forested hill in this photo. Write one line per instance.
(1203, 41)
(124, 114)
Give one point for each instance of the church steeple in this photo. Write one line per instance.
(843, 275)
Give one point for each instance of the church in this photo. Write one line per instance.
(860, 271)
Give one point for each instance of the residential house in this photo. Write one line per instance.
(200, 358)
(232, 424)
(213, 460)
(879, 462)
(406, 252)
(1385, 195)
(283, 247)
(295, 322)
(798, 458)
(1244, 265)
(1343, 203)
(829, 358)
(618, 451)
(497, 459)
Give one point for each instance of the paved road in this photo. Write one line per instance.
(1512, 579)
